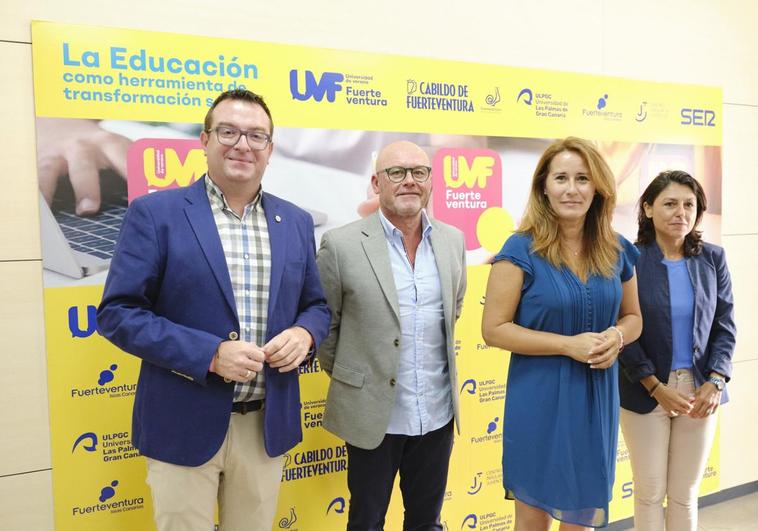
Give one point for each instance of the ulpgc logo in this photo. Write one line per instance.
(115, 446)
(107, 502)
(87, 441)
(337, 505)
(327, 85)
(469, 386)
(525, 95)
(469, 521)
(75, 324)
(288, 521)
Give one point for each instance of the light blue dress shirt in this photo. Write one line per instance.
(423, 399)
(682, 312)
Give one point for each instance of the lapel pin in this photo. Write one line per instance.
(278, 218)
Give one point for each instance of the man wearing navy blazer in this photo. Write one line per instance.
(215, 288)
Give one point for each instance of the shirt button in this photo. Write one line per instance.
(247, 292)
(246, 256)
(392, 382)
(397, 342)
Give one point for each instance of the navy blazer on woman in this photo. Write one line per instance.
(168, 299)
(713, 331)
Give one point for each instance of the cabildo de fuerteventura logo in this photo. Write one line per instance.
(603, 109)
(438, 96)
(106, 386)
(108, 501)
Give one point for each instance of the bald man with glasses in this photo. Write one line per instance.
(395, 283)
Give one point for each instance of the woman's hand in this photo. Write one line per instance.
(707, 400)
(582, 347)
(604, 356)
(673, 401)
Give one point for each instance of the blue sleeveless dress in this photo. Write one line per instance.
(561, 417)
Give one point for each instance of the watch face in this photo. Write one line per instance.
(718, 382)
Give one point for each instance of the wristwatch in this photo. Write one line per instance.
(718, 382)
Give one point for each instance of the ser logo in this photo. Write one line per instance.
(328, 85)
(698, 117)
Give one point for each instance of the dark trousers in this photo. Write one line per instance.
(422, 461)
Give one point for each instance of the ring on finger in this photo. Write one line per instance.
(248, 373)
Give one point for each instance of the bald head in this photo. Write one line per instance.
(401, 202)
(401, 153)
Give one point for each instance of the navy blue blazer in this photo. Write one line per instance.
(168, 300)
(713, 332)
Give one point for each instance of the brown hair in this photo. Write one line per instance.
(541, 223)
(237, 94)
(693, 242)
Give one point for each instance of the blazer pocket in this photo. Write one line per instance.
(348, 376)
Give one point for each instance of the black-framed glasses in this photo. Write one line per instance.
(229, 136)
(397, 174)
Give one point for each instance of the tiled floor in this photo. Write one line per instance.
(738, 514)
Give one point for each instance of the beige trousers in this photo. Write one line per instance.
(668, 456)
(241, 477)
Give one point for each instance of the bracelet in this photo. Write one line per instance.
(654, 389)
(621, 337)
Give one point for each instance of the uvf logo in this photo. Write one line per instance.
(73, 321)
(328, 84)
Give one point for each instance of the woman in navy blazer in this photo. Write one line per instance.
(674, 375)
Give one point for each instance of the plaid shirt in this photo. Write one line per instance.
(248, 257)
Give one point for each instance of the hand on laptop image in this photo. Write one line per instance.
(79, 150)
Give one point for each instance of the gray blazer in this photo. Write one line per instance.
(361, 352)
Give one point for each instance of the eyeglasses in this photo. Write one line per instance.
(396, 174)
(229, 136)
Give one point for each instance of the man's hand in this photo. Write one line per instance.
(287, 350)
(239, 361)
(79, 148)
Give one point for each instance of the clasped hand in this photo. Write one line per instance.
(241, 361)
(599, 350)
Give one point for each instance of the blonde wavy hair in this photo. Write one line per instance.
(540, 221)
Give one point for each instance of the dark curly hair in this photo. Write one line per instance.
(693, 242)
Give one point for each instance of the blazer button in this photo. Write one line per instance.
(397, 342)
(233, 335)
(392, 382)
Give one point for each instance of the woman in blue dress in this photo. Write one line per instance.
(562, 297)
